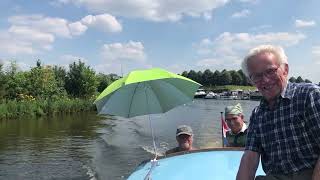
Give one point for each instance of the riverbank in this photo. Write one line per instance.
(32, 107)
(219, 89)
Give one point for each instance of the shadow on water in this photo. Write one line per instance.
(85, 146)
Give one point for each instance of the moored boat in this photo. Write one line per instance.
(211, 95)
(200, 93)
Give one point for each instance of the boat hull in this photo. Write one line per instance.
(208, 164)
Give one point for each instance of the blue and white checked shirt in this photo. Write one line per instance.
(288, 136)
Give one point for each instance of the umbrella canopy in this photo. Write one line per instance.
(144, 92)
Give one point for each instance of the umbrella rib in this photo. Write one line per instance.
(132, 98)
(160, 105)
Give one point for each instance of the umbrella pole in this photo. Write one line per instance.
(153, 139)
(151, 127)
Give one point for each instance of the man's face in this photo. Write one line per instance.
(267, 75)
(184, 141)
(235, 122)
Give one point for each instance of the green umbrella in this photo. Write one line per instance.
(145, 92)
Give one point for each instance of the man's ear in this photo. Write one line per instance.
(286, 70)
(242, 117)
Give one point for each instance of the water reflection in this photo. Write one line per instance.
(57, 147)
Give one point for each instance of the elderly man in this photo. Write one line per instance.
(237, 134)
(184, 137)
(285, 128)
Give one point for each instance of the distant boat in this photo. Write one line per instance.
(227, 97)
(200, 93)
(205, 164)
(211, 95)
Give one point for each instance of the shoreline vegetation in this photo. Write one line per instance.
(13, 109)
(51, 90)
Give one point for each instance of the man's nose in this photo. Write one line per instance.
(265, 78)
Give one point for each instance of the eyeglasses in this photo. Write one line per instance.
(269, 73)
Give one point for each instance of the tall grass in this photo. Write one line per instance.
(43, 107)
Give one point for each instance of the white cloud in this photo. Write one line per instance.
(207, 15)
(230, 48)
(105, 22)
(316, 54)
(243, 13)
(77, 28)
(228, 43)
(301, 23)
(11, 45)
(208, 62)
(68, 58)
(154, 10)
(21, 66)
(24, 33)
(131, 51)
(31, 34)
(56, 26)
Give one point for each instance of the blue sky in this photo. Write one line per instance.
(176, 35)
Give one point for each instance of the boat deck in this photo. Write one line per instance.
(213, 164)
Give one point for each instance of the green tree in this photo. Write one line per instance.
(207, 77)
(226, 78)
(307, 81)
(245, 80)
(3, 82)
(192, 75)
(236, 78)
(199, 77)
(184, 73)
(16, 81)
(60, 75)
(216, 78)
(103, 81)
(81, 80)
(299, 80)
(42, 82)
(292, 79)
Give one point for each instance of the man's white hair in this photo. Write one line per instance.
(276, 50)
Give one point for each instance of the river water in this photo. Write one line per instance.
(84, 146)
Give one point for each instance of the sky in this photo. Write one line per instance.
(118, 36)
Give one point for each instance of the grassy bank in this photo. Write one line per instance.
(219, 89)
(43, 107)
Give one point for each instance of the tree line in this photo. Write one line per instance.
(208, 78)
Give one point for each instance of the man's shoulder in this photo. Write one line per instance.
(303, 88)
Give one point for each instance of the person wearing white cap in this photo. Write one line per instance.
(237, 134)
(184, 137)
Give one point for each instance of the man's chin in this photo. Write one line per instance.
(185, 147)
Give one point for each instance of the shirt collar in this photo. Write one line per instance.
(288, 91)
